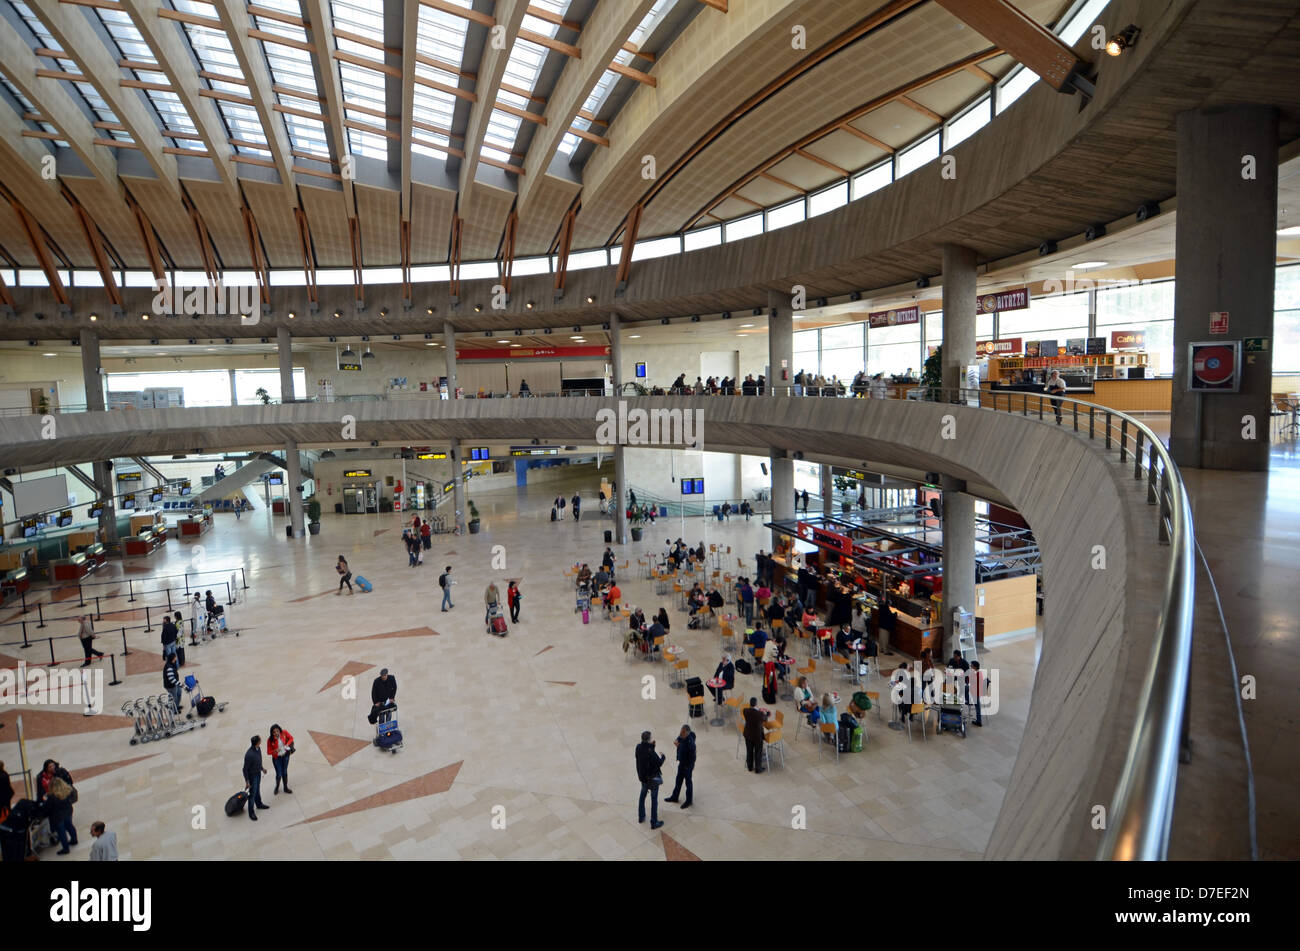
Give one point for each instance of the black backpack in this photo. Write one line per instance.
(442, 580)
(743, 666)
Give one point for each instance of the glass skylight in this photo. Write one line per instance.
(291, 68)
(215, 54)
(131, 46)
(441, 37)
(362, 87)
(522, 69)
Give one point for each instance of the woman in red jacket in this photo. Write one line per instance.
(512, 599)
(279, 744)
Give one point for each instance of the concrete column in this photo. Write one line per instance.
(234, 399)
(616, 354)
(780, 344)
(1225, 246)
(958, 315)
(100, 471)
(284, 347)
(620, 496)
(828, 489)
(782, 490)
(458, 480)
(294, 469)
(449, 351)
(958, 557)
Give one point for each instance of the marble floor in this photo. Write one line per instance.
(515, 748)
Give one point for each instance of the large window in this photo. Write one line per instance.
(892, 350)
(842, 354)
(1145, 307)
(804, 353)
(1286, 320)
(927, 150)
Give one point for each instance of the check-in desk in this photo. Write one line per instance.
(194, 526)
(73, 568)
(146, 543)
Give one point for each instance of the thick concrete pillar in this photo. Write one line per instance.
(958, 558)
(620, 495)
(958, 315)
(294, 468)
(458, 476)
(93, 381)
(828, 490)
(1225, 247)
(449, 351)
(284, 348)
(782, 490)
(616, 354)
(780, 344)
(234, 397)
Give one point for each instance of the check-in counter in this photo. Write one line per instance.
(14, 582)
(194, 526)
(95, 555)
(73, 568)
(146, 543)
(148, 520)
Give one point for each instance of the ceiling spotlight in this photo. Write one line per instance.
(232, 339)
(144, 316)
(332, 340)
(1147, 210)
(1122, 40)
(487, 333)
(577, 330)
(855, 296)
(348, 353)
(191, 340)
(821, 302)
(591, 300)
(519, 333)
(266, 340)
(503, 341)
(428, 336)
(726, 315)
(695, 318)
(383, 312)
(743, 326)
(1046, 248)
(338, 314)
(478, 308)
(365, 339)
(428, 310)
(292, 315)
(663, 320)
(243, 318)
(154, 342)
(1088, 265)
(529, 305)
(758, 312)
(546, 330)
(922, 282)
(94, 317)
(367, 353)
(397, 336)
(1094, 232)
(576, 337)
(633, 336)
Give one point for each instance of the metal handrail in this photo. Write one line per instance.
(1141, 809)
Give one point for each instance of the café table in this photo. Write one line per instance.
(719, 683)
(787, 691)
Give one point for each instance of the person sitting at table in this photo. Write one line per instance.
(716, 600)
(793, 613)
(662, 619)
(726, 672)
(829, 714)
(653, 633)
(610, 599)
(844, 644)
(699, 553)
(601, 577)
(584, 575)
(757, 641)
(763, 592)
(607, 560)
(803, 697)
(778, 644)
(957, 661)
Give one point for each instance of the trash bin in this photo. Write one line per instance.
(609, 537)
(695, 688)
(288, 530)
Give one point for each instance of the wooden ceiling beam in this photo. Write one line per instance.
(148, 237)
(491, 72)
(84, 47)
(308, 260)
(255, 254)
(453, 257)
(563, 248)
(590, 136)
(1031, 43)
(472, 15)
(543, 14)
(508, 249)
(320, 24)
(410, 58)
(783, 183)
(981, 74)
(917, 107)
(821, 161)
(102, 263)
(635, 51)
(36, 239)
(854, 130)
(720, 5)
(644, 78)
(630, 232)
(550, 43)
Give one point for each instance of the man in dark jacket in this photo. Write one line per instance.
(169, 635)
(754, 737)
(172, 681)
(253, 771)
(382, 692)
(648, 765)
(685, 744)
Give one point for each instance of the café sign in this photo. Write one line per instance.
(1128, 339)
(999, 348)
(895, 318)
(1015, 298)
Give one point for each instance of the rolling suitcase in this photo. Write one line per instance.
(499, 626)
(365, 585)
(236, 803)
(586, 616)
(609, 537)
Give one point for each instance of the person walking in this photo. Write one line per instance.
(512, 598)
(104, 848)
(804, 496)
(172, 681)
(382, 693)
(445, 583)
(753, 737)
(345, 575)
(87, 635)
(253, 772)
(169, 635)
(279, 745)
(685, 744)
(577, 507)
(1056, 387)
(59, 799)
(491, 599)
(976, 687)
(648, 769)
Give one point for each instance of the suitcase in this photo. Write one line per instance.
(236, 803)
(552, 514)
(365, 585)
(388, 737)
(205, 706)
(499, 626)
(586, 616)
(845, 739)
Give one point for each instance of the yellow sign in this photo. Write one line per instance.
(357, 474)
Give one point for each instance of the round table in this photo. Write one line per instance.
(716, 682)
(787, 691)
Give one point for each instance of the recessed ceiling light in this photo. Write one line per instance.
(503, 341)
(516, 345)
(292, 315)
(743, 326)
(49, 354)
(431, 345)
(1085, 265)
(576, 337)
(144, 316)
(212, 348)
(798, 316)
(1291, 232)
(633, 336)
(96, 316)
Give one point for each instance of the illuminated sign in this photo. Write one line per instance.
(1015, 298)
(65, 518)
(533, 452)
(357, 474)
(349, 366)
(432, 455)
(894, 318)
(128, 500)
(999, 348)
(479, 454)
(826, 538)
(128, 477)
(692, 487)
(1128, 339)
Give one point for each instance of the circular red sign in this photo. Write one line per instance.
(1214, 366)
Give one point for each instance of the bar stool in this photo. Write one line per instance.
(656, 649)
(773, 742)
(830, 730)
(874, 697)
(680, 593)
(696, 702)
(808, 672)
(734, 703)
(844, 666)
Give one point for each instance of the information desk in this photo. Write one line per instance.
(912, 635)
(195, 525)
(146, 543)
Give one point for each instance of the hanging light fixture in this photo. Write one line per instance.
(347, 353)
(367, 354)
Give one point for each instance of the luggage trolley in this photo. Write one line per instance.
(387, 735)
(952, 717)
(583, 600)
(496, 620)
(201, 705)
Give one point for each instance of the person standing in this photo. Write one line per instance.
(172, 681)
(382, 692)
(169, 635)
(577, 507)
(804, 496)
(512, 598)
(196, 613)
(87, 635)
(58, 803)
(104, 848)
(253, 772)
(491, 599)
(685, 744)
(976, 687)
(445, 583)
(426, 536)
(6, 793)
(345, 575)
(648, 770)
(279, 744)
(631, 497)
(753, 737)
(1056, 387)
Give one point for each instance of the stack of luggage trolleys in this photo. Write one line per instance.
(156, 718)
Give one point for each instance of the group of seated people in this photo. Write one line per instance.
(600, 584)
(642, 636)
(713, 386)
(678, 554)
(700, 603)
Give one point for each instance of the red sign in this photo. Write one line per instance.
(894, 318)
(826, 538)
(532, 353)
(1219, 322)
(1015, 298)
(1128, 339)
(999, 348)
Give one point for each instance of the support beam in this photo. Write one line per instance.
(36, 238)
(917, 107)
(255, 255)
(404, 235)
(205, 242)
(453, 257)
(827, 489)
(603, 35)
(235, 20)
(1031, 43)
(491, 71)
(958, 557)
(629, 242)
(508, 250)
(284, 353)
(458, 489)
(148, 238)
(449, 354)
(308, 260)
(354, 242)
(562, 252)
(780, 346)
(83, 46)
(102, 263)
(321, 25)
(854, 130)
(409, 51)
(293, 465)
(782, 491)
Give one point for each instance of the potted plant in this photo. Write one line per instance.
(43, 404)
(473, 518)
(932, 374)
(638, 519)
(264, 396)
(313, 516)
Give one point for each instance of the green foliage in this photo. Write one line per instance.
(473, 510)
(313, 510)
(932, 373)
(264, 396)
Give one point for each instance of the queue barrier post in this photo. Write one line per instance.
(148, 624)
(187, 586)
(24, 602)
(98, 615)
(169, 600)
(40, 616)
(130, 589)
(229, 600)
(113, 663)
(81, 598)
(25, 643)
(244, 578)
(53, 662)
(125, 650)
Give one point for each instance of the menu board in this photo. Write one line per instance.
(1096, 345)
